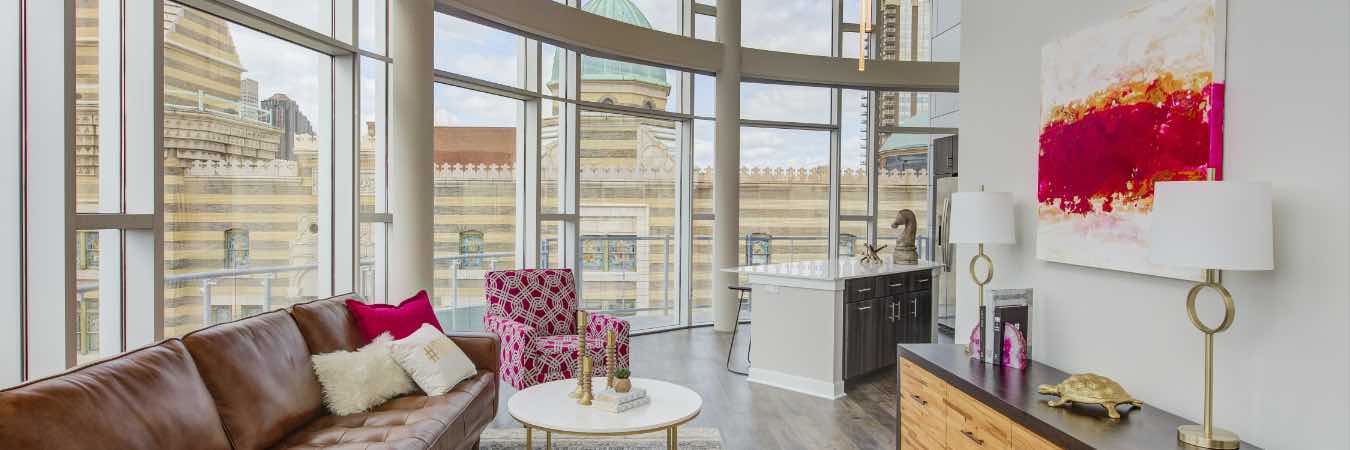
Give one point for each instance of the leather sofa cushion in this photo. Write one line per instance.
(259, 372)
(327, 326)
(417, 421)
(152, 397)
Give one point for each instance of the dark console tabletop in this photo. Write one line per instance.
(1012, 393)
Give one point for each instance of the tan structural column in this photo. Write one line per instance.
(727, 165)
(411, 39)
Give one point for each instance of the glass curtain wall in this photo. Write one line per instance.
(242, 226)
(611, 152)
(624, 154)
(218, 188)
(475, 199)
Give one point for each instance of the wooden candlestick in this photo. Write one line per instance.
(610, 359)
(581, 355)
(586, 396)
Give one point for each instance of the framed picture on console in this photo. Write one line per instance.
(1125, 104)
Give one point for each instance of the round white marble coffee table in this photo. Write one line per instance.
(546, 407)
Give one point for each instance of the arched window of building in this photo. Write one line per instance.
(649, 104)
(758, 248)
(607, 101)
(471, 249)
(847, 244)
(236, 248)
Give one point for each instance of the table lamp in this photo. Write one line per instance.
(982, 218)
(1211, 225)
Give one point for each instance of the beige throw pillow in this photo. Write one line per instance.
(356, 381)
(433, 361)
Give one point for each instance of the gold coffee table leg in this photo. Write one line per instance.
(529, 438)
(672, 438)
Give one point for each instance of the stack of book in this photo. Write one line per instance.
(617, 402)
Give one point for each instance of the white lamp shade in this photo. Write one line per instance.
(982, 218)
(1224, 225)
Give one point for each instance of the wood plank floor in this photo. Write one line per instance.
(752, 416)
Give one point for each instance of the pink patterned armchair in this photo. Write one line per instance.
(534, 312)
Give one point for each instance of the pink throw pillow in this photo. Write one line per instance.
(399, 321)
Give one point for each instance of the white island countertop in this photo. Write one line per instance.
(822, 270)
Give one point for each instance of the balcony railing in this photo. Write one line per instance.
(204, 101)
(780, 246)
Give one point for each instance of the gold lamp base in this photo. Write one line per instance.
(1218, 438)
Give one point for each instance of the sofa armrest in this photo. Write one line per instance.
(481, 348)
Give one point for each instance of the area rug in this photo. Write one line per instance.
(691, 438)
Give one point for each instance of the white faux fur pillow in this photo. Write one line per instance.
(357, 381)
(432, 360)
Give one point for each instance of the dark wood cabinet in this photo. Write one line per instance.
(880, 312)
(861, 322)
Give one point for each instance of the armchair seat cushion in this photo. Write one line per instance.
(552, 345)
(413, 421)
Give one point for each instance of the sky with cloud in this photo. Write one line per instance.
(474, 50)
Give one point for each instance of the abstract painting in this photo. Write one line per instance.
(1124, 105)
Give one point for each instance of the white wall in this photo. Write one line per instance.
(1283, 371)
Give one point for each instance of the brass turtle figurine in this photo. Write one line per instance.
(1090, 388)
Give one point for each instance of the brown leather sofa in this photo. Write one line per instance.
(242, 385)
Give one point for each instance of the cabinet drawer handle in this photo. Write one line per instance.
(897, 285)
(971, 436)
(918, 399)
(864, 308)
(864, 290)
(925, 280)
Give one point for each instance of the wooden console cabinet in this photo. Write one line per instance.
(934, 415)
(949, 402)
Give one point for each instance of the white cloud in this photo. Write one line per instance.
(798, 26)
(785, 103)
(461, 107)
(282, 67)
(475, 50)
(765, 147)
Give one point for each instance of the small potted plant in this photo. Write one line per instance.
(621, 382)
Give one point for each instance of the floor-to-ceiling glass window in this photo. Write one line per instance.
(784, 196)
(629, 172)
(220, 185)
(246, 127)
(702, 226)
(373, 163)
(474, 197)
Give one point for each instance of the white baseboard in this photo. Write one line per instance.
(808, 386)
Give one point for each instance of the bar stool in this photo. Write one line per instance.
(742, 298)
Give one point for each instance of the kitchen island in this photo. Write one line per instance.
(817, 325)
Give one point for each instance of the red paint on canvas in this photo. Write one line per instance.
(1113, 154)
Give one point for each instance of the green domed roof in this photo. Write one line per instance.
(601, 69)
(621, 10)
